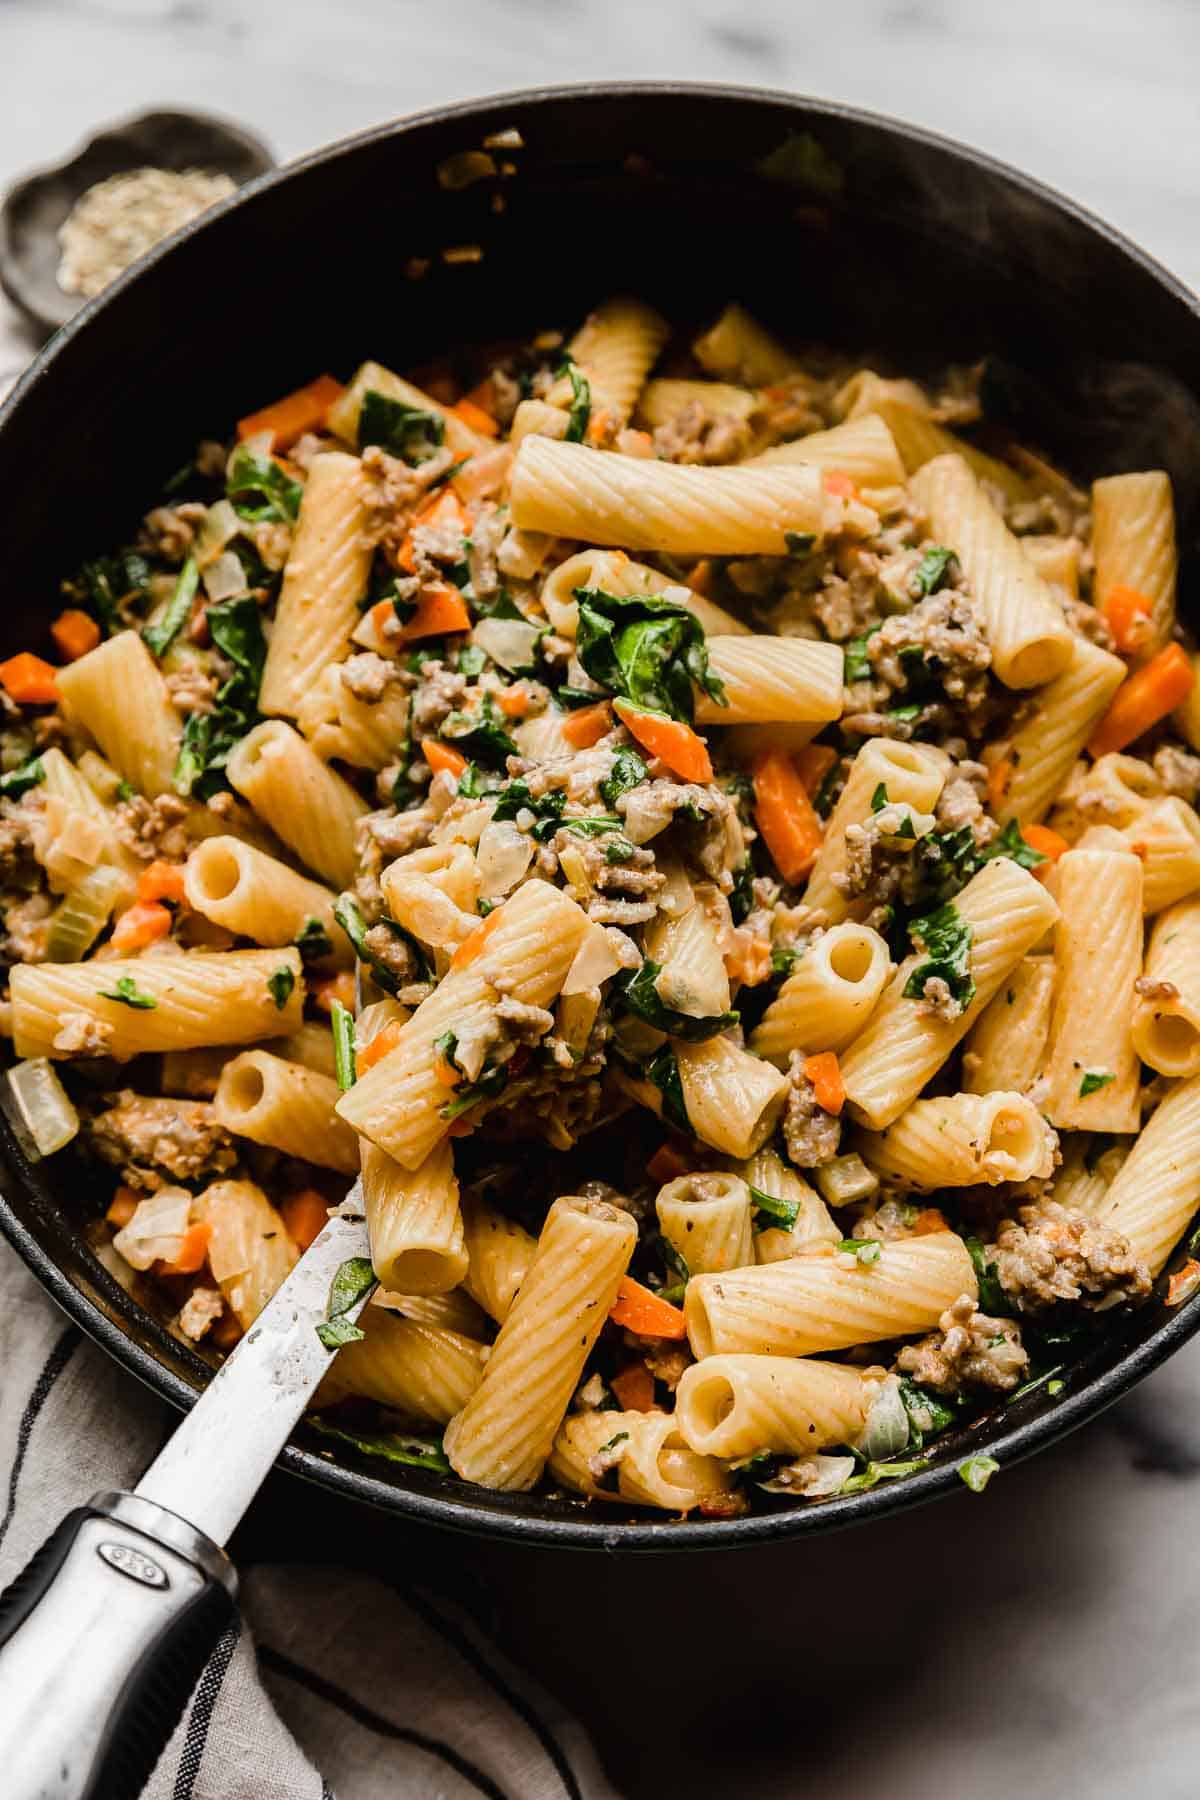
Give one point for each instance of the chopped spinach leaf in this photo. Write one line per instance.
(259, 489)
(663, 1073)
(571, 699)
(160, 637)
(471, 660)
(858, 663)
(313, 941)
(646, 649)
(635, 989)
(209, 738)
(19, 781)
(447, 1048)
(944, 937)
(409, 432)
(352, 1282)
(480, 736)
(280, 986)
(547, 808)
(799, 543)
(881, 1471)
(1093, 1081)
(628, 771)
(580, 414)
(977, 1471)
(492, 1081)
(904, 715)
(879, 799)
(129, 994)
(345, 1062)
(992, 1298)
(823, 798)
(741, 894)
(619, 1437)
(774, 1213)
(784, 958)
(392, 1446)
(930, 573)
(349, 917)
(1012, 844)
(927, 1415)
(107, 581)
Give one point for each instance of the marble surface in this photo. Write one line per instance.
(1043, 1637)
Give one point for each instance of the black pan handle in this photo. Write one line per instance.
(102, 1639)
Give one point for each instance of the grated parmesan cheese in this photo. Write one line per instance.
(117, 220)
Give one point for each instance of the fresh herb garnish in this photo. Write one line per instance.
(19, 781)
(1093, 1081)
(977, 1471)
(945, 938)
(344, 1060)
(160, 637)
(773, 1212)
(867, 1250)
(879, 799)
(313, 941)
(447, 1048)
(129, 994)
(857, 665)
(635, 989)
(579, 417)
(352, 1282)
(280, 985)
(628, 771)
(491, 1081)
(408, 432)
(663, 1072)
(259, 489)
(646, 649)
(930, 573)
(392, 1446)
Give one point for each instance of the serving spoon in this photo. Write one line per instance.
(105, 1633)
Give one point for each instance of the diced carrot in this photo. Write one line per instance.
(298, 412)
(699, 576)
(140, 924)
(634, 1388)
(1142, 699)
(483, 396)
(1127, 613)
(826, 1076)
(776, 392)
(681, 748)
(1041, 837)
(305, 1212)
(927, 1221)
(791, 829)
(29, 680)
(441, 385)
(441, 758)
(385, 1040)
(226, 1332)
(445, 1072)
(598, 426)
(813, 763)
(440, 609)
(443, 510)
(334, 987)
(638, 1309)
(586, 727)
(667, 1164)
(461, 1127)
(75, 633)
(475, 419)
(470, 947)
(1183, 1284)
(838, 483)
(636, 443)
(161, 881)
(514, 701)
(192, 1251)
(124, 1201)
(999, 776)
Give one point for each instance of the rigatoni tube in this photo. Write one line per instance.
(735, 1405)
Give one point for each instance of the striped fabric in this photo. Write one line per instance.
(334, 1685)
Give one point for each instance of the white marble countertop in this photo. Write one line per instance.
(1044, 1638)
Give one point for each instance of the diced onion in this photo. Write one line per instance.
(886, 1431)
(225, 577)
(596, 961)
(220, 523)
(822, 1476)
(503, 855)
(116, 1265)
(509, 642)
(156, 1229)
(845, 1179)
(43, 1105)
(83, 914)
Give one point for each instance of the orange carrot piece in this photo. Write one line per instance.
(1127, 613)
(334, 987)
(140, 924)
(439, 610)
(483, 395)
(838, 483)
(634, 1388)
(1041, 837)
(161, 881)
(813, 764)
(474, 417)
(586, 727)
(192, 1251)
(1183, 1284)
(122, 1208)
(514, 701)
(667, 1164)
(1142, 699)
(441, 758)
(638, 1309)
(681, 748)
(598, 426)
(826, 1076)
(442, 510)
(305, 1213)
(384, 1041)
(226, 1332)
(699, 576)
(927, 1221)
(298, 412)
(29, 680)
(791, 829)
(75, 633)
(999, 776)
(471, 947)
